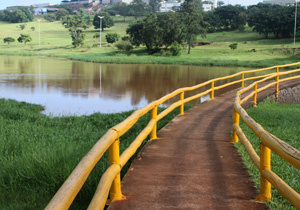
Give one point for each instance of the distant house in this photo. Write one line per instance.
(168, 6)
(207, 7)
(280, 2)
(40, 11)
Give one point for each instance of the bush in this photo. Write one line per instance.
(50, 17)
(112, 37)
(32, 28)
(233, 46)
(126, 38)
(96, 35)
(124, 46)
(8, 40)
(176, 49)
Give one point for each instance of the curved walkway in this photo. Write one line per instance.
(191, 165)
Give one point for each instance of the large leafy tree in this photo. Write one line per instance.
(76, 24)
(193, 23)
(122, 9)
(139, 8)
(269, 19)
(24, 38)
(20, 15)
(231, 17)
(154, 5)
(107, 21)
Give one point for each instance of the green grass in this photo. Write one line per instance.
(37, 153)
(56, 41)
(282, 120)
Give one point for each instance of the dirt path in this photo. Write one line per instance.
(192, 165)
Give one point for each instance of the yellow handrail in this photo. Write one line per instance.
(111, 178)
(268, 142)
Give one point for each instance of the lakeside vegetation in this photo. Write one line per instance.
(252, 50)
(39, 152)
(282, 120)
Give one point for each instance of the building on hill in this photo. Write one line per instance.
(167, 6)
(280, 2)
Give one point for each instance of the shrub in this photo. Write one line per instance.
(22, 26)
(50, 17)
(175, 49)
(96, 35)
(32, 28)
(124, 46)
(8, 40)
(233, 46)
(112, 37)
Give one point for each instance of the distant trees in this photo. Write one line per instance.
(155, 5)
(20, 15)
(269, 19)
(164, 29)
(61, 13)
(76, 24)
(107, 21)
(226, 18)
(8, 40)
(50, 17)
(24, 38)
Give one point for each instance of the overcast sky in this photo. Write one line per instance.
(5, 3)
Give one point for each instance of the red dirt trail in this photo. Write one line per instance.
(191, 165)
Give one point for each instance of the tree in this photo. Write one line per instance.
(112, 37)
(123, 9)
(61, 13)
(269, 19)
(24, 38)
(193, 22)
(50, 17)
(138, 6)
(230, 16)
(76, 25)
(22, 26)
(8, 40)
(107, 21)
(154, 5)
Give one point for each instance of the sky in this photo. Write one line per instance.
(5, 3)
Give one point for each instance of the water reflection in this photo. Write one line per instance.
(75, 88)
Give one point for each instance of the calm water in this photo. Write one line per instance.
(75, 88)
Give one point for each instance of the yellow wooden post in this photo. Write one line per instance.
(114, 158)
(243, 80)
(212, 93)
(236, 120)
(181, 108)
(255, 95)
(265, 163)
(277, 83)
(154, 116)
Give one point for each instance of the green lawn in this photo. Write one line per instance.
(282, 120)
(56, 41)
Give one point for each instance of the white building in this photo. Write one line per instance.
(207, 7)
(168, 6)
(280, 2)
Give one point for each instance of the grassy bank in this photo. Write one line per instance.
(37, 153)
(253, 50)
(282, 120)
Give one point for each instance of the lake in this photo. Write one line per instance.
(66, 87)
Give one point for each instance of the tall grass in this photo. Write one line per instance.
(282, 120)
(37, 152)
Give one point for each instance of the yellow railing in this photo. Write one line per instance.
(110, 180)
(268, 142)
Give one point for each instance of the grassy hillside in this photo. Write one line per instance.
(253, 50)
